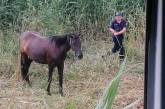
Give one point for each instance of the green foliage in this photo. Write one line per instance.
(71, 105)
(76, 14)
(110, 93)
(10, 10)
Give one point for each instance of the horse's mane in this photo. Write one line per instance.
(59, 39)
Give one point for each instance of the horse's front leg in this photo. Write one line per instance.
(51, 67)
(60, 73)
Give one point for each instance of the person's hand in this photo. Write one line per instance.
(116, 33)
(112, 31)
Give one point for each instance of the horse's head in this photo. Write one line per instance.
(75, 44)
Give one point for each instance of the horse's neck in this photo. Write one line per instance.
(62, 43)
(65, 48)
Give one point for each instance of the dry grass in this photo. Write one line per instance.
(84, 81)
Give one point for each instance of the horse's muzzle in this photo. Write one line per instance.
(79, 54)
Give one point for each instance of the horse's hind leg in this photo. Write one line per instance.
(25, 64)
(51, 67)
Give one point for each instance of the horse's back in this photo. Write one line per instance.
(33, 45)
(28, 35)
(26, 38)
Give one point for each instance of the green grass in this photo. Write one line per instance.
(71, 105)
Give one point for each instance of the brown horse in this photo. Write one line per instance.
(48, 50)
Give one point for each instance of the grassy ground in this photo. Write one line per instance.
(84, 80)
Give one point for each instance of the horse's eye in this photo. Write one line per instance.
(71, 36)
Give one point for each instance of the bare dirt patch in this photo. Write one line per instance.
(131, 89)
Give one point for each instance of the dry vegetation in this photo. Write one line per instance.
(84, 80)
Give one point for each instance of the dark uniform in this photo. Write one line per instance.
(118, 40)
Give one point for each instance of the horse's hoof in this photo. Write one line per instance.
(62, 94)
(49, 93)
(61, 91)
(30, 84)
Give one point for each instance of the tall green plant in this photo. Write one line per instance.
(110, 92)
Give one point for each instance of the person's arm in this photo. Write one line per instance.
(120, 32)
(112, 30)
(125, 25)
